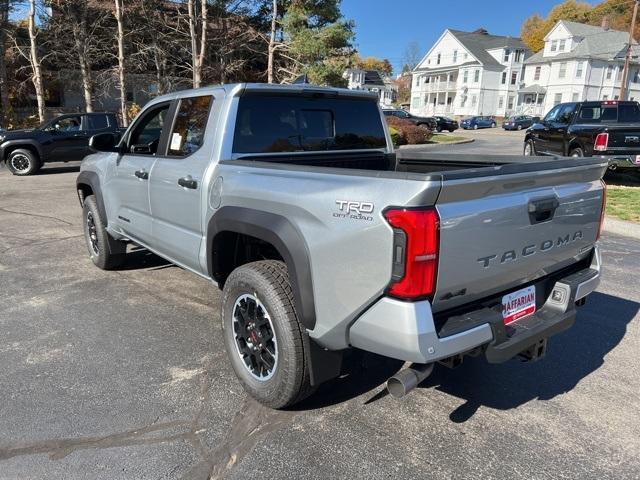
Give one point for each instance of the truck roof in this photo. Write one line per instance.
(240, 89)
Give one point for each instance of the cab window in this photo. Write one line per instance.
(67, 124)
(188, 130)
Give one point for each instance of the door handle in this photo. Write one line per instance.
(142, 174)
(188, 182)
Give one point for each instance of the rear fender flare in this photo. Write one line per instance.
(285, 238)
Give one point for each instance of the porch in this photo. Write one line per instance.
(531, 101)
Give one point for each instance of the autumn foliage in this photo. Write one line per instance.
(617, 12)
(407, 132)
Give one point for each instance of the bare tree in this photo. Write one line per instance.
(35, 60)
(411, 56)
(272, 41)
(118, 12)
(4, 83)
(197, 52)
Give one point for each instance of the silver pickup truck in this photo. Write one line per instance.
(292, 201)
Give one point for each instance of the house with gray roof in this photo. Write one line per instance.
(372, 81)
(469, 73)
(578, 63)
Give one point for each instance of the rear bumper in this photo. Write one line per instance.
(407, 331)
(621, 161)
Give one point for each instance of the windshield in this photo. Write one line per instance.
(275, 124)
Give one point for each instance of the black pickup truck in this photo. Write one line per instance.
(609, 129)
(62, 139)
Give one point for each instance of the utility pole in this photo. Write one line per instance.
(627, 58)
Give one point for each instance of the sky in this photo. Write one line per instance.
(384, 28)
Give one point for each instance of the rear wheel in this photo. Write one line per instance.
(493, 125)
(438, 129)
(263, 338)
(577, 152)
(529, 148)
(23, 162)
(105, 252)
(519, 127)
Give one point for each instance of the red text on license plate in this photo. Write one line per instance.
(518, 304)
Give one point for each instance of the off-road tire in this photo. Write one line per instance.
(269, 282)
(106, 252)
(438, 129)
(22, 162)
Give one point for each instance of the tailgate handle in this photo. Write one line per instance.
(543, 209)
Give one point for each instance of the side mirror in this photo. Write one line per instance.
(103, 142)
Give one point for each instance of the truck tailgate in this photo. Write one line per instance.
(504, 229)
(624, 138)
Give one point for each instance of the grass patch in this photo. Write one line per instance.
(624, 202)
(441, 138)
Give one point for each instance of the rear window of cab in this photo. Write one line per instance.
(277, 124)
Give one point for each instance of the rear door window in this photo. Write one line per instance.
(276, 124)
(188, 130)
(629, 113)
(97, 122)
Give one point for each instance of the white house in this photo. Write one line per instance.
(372, 81)
(469, 73)
(578, 62)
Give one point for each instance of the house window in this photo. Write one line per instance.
(465, 55)
(463, 101)
(439, 58)
(518, 56)
(554, 45)
(474, 100)
(605, 97)
(511, 100)
(575, 97)
(562, 45)
(504, 78)
(501, 102)
(455, 56)
(514, 78)
(476, 76)
(507, 53)
(557, 99)
(563, 70)
(426, 100)
(465, 76)
(536, 74)
(415, 102)
(579, 69)
(609, 71)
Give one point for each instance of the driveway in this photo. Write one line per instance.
(122, 375)
(487, 140)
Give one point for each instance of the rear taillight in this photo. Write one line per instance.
(415, 252)
(604, 207)
(601, 143)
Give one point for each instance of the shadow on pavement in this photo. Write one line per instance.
(139, 258)
(59, 168)
(623, 178)
(571, 356)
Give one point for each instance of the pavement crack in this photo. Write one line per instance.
(60, 448)
(36, 215)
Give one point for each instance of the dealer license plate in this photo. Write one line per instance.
(519, 304)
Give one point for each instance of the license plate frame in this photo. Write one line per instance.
(519, 304)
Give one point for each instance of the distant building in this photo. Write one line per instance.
(469, 73)
(578, 62)
(372, 81)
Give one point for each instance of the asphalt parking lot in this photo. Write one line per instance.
(122, 375)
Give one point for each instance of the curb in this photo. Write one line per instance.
(621, 227)
(427, 145)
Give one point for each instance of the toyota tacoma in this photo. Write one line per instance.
(292, 200)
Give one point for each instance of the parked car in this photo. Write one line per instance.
(63, 139)
(445, 123)
(428, 122)
(608, 129)
(291, 200)
(518, 122)
(478, 122)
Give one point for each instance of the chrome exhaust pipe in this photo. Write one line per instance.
(406, 380)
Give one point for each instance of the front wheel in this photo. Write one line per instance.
(106, 252)
(262, 335)
(439, 129)
(519, 127)
(475, 127)
(529, 148)
(493, 125)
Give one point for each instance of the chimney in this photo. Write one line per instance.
(605, 22)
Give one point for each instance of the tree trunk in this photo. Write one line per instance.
(4, 84)
(194, 44)
(272, 41)
(80, 38)
(35, 60)
(121, 68)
